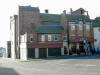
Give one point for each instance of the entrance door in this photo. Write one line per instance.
(54, 51)
(31, 52)
(65, 50)
(82, 48)
(42, 52)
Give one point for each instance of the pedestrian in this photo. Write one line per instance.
(86, 49)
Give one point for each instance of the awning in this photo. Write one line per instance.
(83, 38)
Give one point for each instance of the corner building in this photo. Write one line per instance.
(80, 30)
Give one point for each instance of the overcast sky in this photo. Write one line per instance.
(10, 7)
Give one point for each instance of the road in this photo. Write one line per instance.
(83, 65)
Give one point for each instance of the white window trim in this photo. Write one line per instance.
(49, 37)
(86, 27)
(80, 28)
(42, 38)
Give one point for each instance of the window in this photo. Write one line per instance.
(49, 37)
(80, 25)
(31, 37)
(73, 36)
(64, 38)
(42, 38)
(72, 26)
(88, 27)
(55, 38)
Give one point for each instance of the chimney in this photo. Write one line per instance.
(81, 12)
(46, 11)
(87, 14)
(71, 10)
(64, 12)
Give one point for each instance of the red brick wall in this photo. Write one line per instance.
(91, 30)
(37, 37)
(28, 19)
(78, 32)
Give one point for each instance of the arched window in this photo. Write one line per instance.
(80, 25)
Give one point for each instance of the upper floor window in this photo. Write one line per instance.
(31, 37)
(72, 26)
(64, 38)
(88, 27)
(55, 38)
(42, 38)
(49, 37)
(80, 25)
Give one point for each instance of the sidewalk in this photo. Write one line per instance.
(81, 56)
(74, 57)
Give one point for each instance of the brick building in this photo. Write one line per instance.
(38, 35)
(80, 30)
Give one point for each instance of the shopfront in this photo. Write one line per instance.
(77, 45)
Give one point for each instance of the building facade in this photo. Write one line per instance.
(96, 28)
(39, 35)
(80, 30)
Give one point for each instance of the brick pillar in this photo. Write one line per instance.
(46, 38)
(36, 52)
(84, 30)
(77, 30)
(91, 30)
(62, 51)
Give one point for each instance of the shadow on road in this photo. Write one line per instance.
(7, 71)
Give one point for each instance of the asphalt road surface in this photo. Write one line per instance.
(82, 65)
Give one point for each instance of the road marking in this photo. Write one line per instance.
(86, 65)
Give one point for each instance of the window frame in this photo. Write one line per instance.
(73, 26)
(42, 38)
(56, 37)
(49, 37)
(65, 38)
(87, 27)
(80, 25)
(31, 37)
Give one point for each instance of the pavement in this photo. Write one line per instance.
(64, 65)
